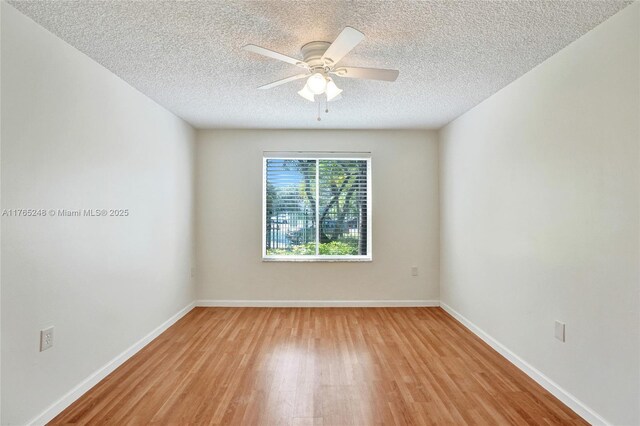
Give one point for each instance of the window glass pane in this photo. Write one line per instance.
(343, 207)
(290, 207)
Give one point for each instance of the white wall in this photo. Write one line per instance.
(74, 136)
(229, 218)
(540, 217)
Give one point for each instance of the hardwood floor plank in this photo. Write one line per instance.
(317, 366)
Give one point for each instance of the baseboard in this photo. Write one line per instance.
(568, 399)
(75, 393)
(317, 303)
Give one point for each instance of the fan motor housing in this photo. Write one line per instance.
(312, 53)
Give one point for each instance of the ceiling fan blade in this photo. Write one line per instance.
(347, 40)
(367, 73)
(283, 81)
(275, 55)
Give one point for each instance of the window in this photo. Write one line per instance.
(316, 207)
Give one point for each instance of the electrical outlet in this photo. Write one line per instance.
(46, 338)
(560, 331)
(414, 271)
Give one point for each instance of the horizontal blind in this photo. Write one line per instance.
(343, 207)
(290, 207)
(316, 206)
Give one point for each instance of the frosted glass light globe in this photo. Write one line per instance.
(332, 90)
(306, 93)
(317, 84)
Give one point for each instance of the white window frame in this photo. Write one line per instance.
(330, 155)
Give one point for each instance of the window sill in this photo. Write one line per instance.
(317, 259)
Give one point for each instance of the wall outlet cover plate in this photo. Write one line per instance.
(46, 339)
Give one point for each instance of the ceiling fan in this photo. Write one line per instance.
(320, 62)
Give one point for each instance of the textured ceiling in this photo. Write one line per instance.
(187, 55)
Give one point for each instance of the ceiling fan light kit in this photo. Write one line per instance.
(320, 62)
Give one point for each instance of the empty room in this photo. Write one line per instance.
(320, 213)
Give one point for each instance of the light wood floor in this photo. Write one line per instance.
(313, 366)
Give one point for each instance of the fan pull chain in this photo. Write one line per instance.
(326, 104)
(319, 106)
